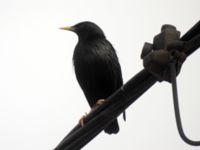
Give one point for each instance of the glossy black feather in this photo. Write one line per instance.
(96, 66)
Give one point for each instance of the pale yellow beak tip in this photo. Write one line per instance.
(65, 28)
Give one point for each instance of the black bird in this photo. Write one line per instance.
(96, 66)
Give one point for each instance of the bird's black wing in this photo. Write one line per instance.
(112, 65)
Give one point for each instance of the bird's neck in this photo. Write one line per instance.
(90, 38)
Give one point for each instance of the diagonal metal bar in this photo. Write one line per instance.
(100, 118)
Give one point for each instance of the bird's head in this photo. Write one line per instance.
(86, 30)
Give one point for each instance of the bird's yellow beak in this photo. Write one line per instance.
(66, 28)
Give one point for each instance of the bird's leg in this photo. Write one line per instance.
(81, 121)
(100, 102)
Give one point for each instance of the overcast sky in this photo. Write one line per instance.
(40, 99)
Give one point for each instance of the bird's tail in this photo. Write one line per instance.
(124, 115)
(112, 128)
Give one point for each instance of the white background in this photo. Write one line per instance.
(40, 100)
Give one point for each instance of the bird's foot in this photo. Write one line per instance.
(100, 101)
(81, 121)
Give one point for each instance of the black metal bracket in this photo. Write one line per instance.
(164, 59)
(166, 47)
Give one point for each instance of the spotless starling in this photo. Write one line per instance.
(96, 66)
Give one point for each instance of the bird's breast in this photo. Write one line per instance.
(85, 54)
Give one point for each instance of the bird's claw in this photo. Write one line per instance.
(100, 101)
(81, 121)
